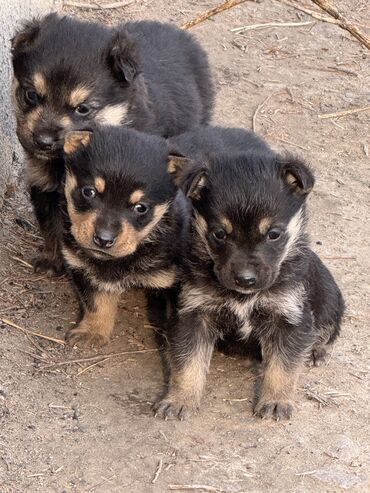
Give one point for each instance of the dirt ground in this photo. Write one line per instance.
(83, 428)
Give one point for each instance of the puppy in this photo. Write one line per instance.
(250, 275)
(70, 73)
(123, 222)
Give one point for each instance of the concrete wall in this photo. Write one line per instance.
(12, 12)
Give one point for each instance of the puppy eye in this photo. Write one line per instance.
(141, 209)
(274, 234)
(219, 234)
(31, 96)
(88, 192)
(83, 109)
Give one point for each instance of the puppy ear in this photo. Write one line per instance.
(298, 176)
(122, 58)
(26, 36)
(186, 174)
(76, 140)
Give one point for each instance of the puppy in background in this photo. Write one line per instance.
(69, 74)
(250, 275)
(124, 223)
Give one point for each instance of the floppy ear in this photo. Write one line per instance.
(298, 176)
(122, 58)
(25, 36)
(186, 174)
(76, 140)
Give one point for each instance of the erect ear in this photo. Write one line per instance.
(76, 140)
(297, 175)
(122, 58)
(25, 36)
(187, 175)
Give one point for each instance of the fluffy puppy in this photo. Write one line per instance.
(123, 223)
(250, 274)
(70, 73)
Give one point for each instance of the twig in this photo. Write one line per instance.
(30, 332)
(344, 112)
(23, 262)
(260, 106)
(339, 257)
(158, 471)
(91, 366)
(210, 13)
(312, 13)
(100, 357)
(97, 6)
(269, 24)
(343, 22)
(193, 487)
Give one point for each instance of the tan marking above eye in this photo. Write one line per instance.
(265, 225)
(136, 196)
(78, 95)
(40, 83)
(226, 223)
(99, 183)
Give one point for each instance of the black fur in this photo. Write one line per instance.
(127, 161)
(259, 287)
(155, 75)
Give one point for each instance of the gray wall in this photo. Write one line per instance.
(12, 12)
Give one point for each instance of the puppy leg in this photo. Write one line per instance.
(190, 352)
(284, 350)
(46, 207)
(98, 314)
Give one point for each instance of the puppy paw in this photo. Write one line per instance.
(51, 267)
(278, 410)
(174, 408)
(319, 356)
(83, 338)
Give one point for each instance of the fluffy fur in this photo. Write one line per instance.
(69, 73)
(251, 282)
(124, 222)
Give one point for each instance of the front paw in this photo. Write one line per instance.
(49, 266)
(171, 407)
(84, 338)
(278, 410)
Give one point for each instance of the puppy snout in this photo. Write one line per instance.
(245, 279)
(104, 238)
(45, 140)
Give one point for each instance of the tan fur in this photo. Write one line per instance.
(176, 163)
(159, 279)
(112, 115)
(226, 223)
(265, 225)
(136, 196)
(33, 117)
(72, 259)
(97, 324)
(75, 140)
(278, 383)
(66, 122)
(99, 184)
(40, 83)
(79, 96)
(201, 224)
(83, 224)
(38, 175)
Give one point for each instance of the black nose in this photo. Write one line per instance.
(45, 141)
(245, 279)
(104, 238)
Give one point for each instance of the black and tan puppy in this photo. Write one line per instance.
(250, 274)
(123, 221)
(70, 73)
